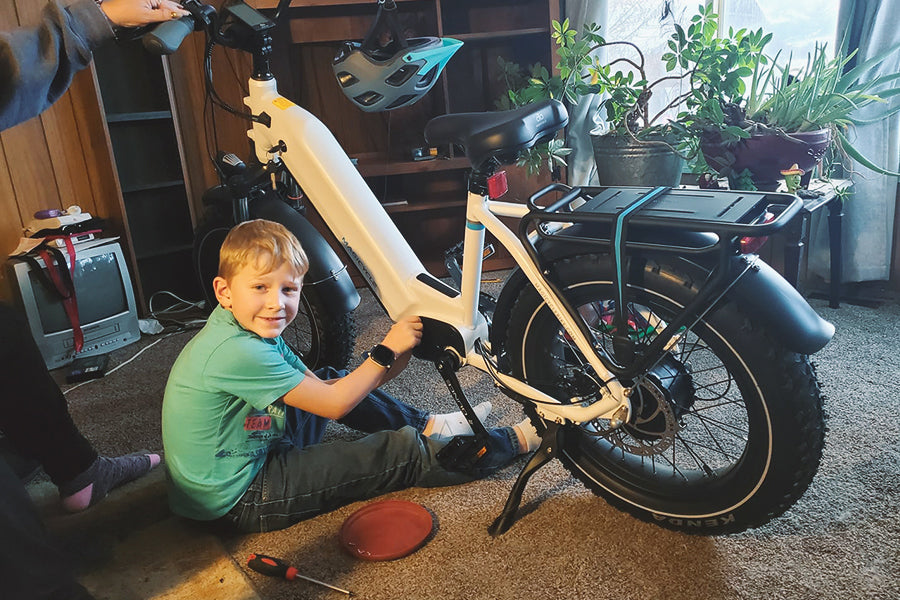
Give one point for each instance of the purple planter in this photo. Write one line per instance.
(767, 155)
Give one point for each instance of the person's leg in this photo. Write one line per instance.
(34, 417)
(298, 484)
(30, 566)
(380, 411)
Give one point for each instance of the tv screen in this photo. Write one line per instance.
(107, 312)
(100, 293)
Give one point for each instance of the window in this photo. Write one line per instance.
(649, 23)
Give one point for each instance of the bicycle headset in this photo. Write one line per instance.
(379, 78)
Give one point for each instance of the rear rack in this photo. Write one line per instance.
(727, 214)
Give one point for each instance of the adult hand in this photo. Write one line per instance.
(404, 335)
(134, 13)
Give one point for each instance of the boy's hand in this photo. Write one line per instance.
(404, 335)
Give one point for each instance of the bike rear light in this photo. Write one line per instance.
(751, 245)
(497, 185)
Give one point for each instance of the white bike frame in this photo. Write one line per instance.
(351, 211)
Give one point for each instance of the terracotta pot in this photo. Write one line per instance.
(766, 155)
(622, 161)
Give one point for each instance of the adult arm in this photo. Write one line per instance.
(37, 63)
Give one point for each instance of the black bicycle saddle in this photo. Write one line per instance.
(501, 135)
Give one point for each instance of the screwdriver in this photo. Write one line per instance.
(274, 567)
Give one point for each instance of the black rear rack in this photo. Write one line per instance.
(727, 214)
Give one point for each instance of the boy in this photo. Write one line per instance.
(243, 418)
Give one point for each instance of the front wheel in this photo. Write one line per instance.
(316, 336)
(727, 427)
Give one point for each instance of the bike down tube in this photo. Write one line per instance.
(615, 396)
(351, 211)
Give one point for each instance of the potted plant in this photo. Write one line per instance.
(640, 145)
(779, 116)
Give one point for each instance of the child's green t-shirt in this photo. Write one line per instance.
(221, 414)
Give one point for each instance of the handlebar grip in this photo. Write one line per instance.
(167, 36)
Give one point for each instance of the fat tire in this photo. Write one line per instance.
(317, 337)
(786, 431)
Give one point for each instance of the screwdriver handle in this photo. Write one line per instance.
(273, 567)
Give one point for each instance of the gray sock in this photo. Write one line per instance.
(103, 475)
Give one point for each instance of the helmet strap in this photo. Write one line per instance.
(386, 17)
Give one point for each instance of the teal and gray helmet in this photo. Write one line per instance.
(384, 78)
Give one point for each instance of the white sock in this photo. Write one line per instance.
(450, 425)
(529, 434)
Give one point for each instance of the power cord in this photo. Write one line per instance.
(119, 366)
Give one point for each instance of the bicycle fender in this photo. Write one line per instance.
(763, 294)
(327, 273)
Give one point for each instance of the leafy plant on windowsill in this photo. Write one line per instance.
(781, 100)
(713, 69)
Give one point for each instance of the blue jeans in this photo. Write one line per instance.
(303, 477)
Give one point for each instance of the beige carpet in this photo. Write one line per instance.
(841, 541)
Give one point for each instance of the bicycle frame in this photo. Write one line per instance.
(358, 220)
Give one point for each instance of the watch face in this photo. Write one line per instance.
(382, 355)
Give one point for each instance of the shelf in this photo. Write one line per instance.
(165, 251)
(370, 166)
(271, 4)
(495, 36)
(429, 205)
(131, 117)
(157, 185)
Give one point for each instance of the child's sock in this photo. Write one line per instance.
(104, 474)
(449, 425)
(529, 434)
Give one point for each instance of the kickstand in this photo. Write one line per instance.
(544, 454)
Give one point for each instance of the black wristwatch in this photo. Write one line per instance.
(381, 355)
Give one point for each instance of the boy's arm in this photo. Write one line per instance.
(335, 398)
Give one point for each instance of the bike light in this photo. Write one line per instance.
(497, 185)
(751, 245)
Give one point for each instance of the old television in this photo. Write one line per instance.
(106, 308)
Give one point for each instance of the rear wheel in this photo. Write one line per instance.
(727, 428)
(316, 336)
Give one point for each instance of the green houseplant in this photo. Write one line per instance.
(702, 65)
(777, 115)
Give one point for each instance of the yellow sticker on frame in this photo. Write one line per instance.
(282, 103)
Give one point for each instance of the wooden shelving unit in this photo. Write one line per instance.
(147, 152)
(425, 198)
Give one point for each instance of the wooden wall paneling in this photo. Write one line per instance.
(26, 147)
(61, 136)
(10, 224)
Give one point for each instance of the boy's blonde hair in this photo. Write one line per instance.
(262, 245)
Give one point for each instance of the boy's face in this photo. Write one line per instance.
(264, 302)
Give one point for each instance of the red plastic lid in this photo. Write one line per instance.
(386, 530)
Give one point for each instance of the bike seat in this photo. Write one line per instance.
(501, 135)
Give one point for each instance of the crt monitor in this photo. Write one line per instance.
(107, 311)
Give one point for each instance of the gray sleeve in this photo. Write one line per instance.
(37, 64)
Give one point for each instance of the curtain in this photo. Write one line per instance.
(582, 116)
(869, 212)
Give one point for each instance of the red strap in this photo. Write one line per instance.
(70, 304)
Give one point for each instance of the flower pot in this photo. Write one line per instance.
(766, 155)
(622, 161)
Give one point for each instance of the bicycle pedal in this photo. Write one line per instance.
(462, 453)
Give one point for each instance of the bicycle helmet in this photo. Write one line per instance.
(377, 78)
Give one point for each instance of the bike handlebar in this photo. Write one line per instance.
(166, 37)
